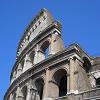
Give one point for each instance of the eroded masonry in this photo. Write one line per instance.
(44, 69)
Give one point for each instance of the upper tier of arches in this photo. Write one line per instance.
(38, 24)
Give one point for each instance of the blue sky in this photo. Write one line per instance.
(80, 23)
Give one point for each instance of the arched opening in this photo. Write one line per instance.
(39, 83)
(86, 64)
(63, 86)
(24, 92)
(60, 78)
(45, 48)
(31, 57)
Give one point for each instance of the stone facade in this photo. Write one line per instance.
(44, 69)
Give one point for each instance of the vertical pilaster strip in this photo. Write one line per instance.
(11, 97)
(14, 76)
(19, 69)
(19, 94)
(46, 88)
(28, 97)
(25, 63)
(72, 75)
(36, 55)
(39, 55)
(68, 78)
(76, 74)
(51, 45)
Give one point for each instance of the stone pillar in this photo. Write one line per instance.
(14, 76)
(56, 43)
(25, 63)
(73, 75)
(34, 94)
(68, 76)
(39, 55)
(76, 65)
(19, 94)
(72, 82)
(11, 97)
(92, 80)
(29, 96)
(46, 88)
(19, 70)
(36, 55)
(29, 62)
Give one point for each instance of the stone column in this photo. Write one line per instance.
(19, 94)
(14, 76)
(56, 43)
(25, 63)
(19, 70)
(72, 82)
(34, 94)
(11, 97)
(29, 96)
(74, 75)
(76, 65)
(92, 80)
(39, 55)
(36, 55)
(68, 76)
(46, 88)
(29, 63)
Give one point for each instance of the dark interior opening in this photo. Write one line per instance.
(86, 64)
(98, 82)
(63, 86)
(45, 48)
(60, 78)
(40, 85)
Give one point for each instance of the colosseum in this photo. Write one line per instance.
(46, 70)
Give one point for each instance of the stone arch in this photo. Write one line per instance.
(61, 68)
(86, 64)
(39, 84)
(45, 48)
(59, 83)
